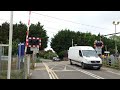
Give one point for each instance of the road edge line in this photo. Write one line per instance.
(48, 71)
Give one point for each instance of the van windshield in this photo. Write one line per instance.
(89, 53)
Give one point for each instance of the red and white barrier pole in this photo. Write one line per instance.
(27, 32)
(27, 60)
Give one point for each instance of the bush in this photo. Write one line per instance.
(49, 55)
(63, 54)
(38, 60)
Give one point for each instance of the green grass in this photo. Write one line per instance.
(38, 60)
(15, 74)
(115, 65)
(4, 65)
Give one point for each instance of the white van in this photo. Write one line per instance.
(85, 56)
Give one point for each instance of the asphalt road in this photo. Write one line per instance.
(63, 70)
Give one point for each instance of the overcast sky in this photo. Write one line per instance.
(53, 21)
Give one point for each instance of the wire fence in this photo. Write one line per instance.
(112, 63)
(18, 67)
(16, 73)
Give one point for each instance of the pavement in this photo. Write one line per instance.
(39, 72)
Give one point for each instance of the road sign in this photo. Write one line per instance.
(21, 48)
(34, 49)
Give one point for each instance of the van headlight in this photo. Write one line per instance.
(88, 62)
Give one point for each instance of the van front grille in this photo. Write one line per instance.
(95, 61)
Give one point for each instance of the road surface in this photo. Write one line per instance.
(63, 70)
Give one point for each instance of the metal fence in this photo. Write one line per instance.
(16, 73)
(17, 65)
(111, 62)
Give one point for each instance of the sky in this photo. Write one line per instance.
(92, 21)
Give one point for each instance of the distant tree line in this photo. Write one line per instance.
(60, 43)
(63, 40)
(19, 34)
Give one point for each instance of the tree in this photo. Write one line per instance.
(49, 54)
(19, 34)
(109, 44)
(37, 30)
(63, 53)
(15, 47)
(63, 40)
(4, 33)
(112, 38)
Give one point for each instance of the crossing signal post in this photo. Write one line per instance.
(98, 46)
(27, 56)
(10, 45)
(33, 44)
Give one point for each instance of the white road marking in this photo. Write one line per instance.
(53, 66)
(30, 74)
(48, 71)
(51, 73)
(64, 68)
(91, 74)
(86, 72)
(108, 70)
(54, 75)
(114, 72)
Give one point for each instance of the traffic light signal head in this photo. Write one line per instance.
(30, 41)
(98, 44)
(33, 42)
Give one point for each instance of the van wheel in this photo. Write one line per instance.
(83, 65)
(71, 62)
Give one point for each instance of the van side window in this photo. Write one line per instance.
(80, 53)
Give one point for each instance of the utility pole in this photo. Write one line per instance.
(100, 38)
(10, 45)
(106, 47)
(115, 41)
(0, 59)
(115, 38)
(72, 42)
